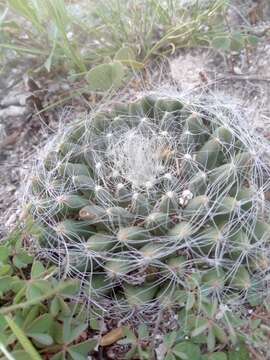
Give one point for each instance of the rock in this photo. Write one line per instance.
(13, 111)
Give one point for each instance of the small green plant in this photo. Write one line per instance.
(233, 41)
(139, 343)
(156, 203)
(79, 38)
(38, 316)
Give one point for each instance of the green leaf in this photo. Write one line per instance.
(4, 253)
(222, 43)
(56, 332)
(131, 353)
(37, 269)
(170, 339)
(215, 356)
(69, 333)
(20, 294)
(42, 324)
(44, 339)
(143, 331)
(209, 308)
(71, 288)
(3, 323)
(5, 270)
(200, 329)
(59, 356)
(22, 259)
(255, 323)
(36, 289)
(24, 341)
(75, 356)
(31, 315)
(170, 357)
(237, 41)
(48, 62)
(129, 335)
(124, 53)
(5, 284)
(81, 350)
(106, 76)
(127, 57)
(95, 324)
(188, 349)
(253, 40)
(17, 284)
(22, 305)
(190, 301)
(77, 331)
(180, 355)
(20, 355)
(64, 308)
(211, 340)
(219, 333)
(55, 306)
(254, 296)
(241, 353)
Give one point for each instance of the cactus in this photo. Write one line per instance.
(137, 198)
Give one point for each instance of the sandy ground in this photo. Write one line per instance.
(245, 76)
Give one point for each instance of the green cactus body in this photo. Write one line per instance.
(74, 229)
(140, 205)
(194, 133)
(73, 151)
(71, 203)
(177, 264)
(92, 213)
(168, 203)
(208, 240)
(169, 295)
(117, 268)
(198, 184)
(181, 231)
(213, 279)
(155, 202)
(224, 135)
(101, 122)
(100, 242)
(84, 183)
(133, 235)
(74, 169)
(97, 286)
(157, 222)
(197, 206)
(207, 156)
(139, 295)
(241, 279)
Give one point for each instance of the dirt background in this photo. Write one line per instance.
(245, 76)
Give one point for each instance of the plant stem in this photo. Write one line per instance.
(49, 294)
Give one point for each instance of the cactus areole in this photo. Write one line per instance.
(147, 200)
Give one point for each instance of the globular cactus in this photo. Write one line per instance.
(140, 199)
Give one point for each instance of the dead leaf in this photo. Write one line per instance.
(255, 14)
(267, 195)
(10, 139)
(112, 336)
(31, 85)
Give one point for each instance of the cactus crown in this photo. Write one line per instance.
(150, 199)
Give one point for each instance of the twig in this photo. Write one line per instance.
(255, 354)
(154, 334)
(243, 78)
(49, 294)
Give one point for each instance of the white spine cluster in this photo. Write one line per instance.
(130, 205)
